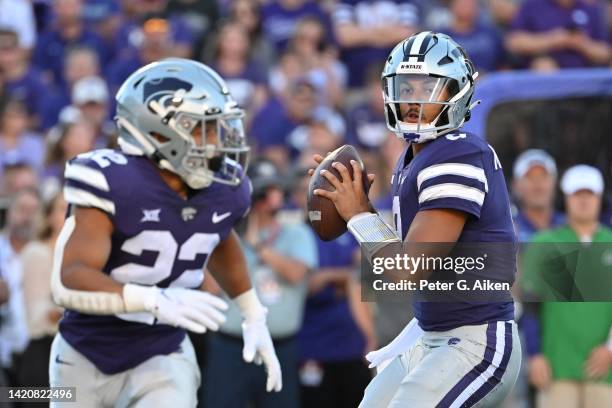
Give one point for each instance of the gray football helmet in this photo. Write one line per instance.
(160, 105)
(427, 68)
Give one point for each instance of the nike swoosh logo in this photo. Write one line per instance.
(217, 218)
(58, 361)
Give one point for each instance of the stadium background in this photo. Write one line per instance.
(308, 74)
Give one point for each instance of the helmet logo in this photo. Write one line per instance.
(160, 88)
(410, 68)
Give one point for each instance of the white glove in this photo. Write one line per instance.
(258, 345)
(189, 309)
(401, 344)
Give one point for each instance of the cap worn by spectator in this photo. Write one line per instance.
(90, 89)
(531, 158)
(263, 175)
(582, 177)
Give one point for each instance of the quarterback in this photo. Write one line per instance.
(142, 225)
(448, 187)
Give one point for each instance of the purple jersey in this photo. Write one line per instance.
(159, 239)
(457, 171)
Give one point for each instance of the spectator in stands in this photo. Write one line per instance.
(333, 340)
(41, 312)
(503, 11)
(154, 44)
(132, 31)
(231, 58)
(105, 17)
(316, 137)
(272, 125)
(20, 229)
(366, 31)
(65, 142)
(68, 30)
(279, 20)
(200, 16)
(390, 151)
(247, 14)
(80, 62)
(366, 119)
(16, 177)
(279, 256)
(318, 58)
(91, 98)
(481, 40)
(560, 34)
(535, 177)
(21, 80)
(571, 356)
(17, 142)
(18, 16)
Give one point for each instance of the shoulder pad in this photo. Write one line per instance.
(86, 179)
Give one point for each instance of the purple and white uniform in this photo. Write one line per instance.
(469, 354)
(159, 239)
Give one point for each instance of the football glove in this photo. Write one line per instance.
(189, 309)
(380, 358)
(258, 346)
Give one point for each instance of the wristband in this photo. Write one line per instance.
(249, 305)
(372, 233)
(138, 298)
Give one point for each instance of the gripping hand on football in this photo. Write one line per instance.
(189, 309)
(348, 196)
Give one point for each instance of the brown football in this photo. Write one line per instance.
(322, 213)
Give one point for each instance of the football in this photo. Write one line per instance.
(322, 213)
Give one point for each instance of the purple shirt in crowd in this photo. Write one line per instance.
(328, 321)
(279, 23)
(540, 16)
(484, 44)
(51, 47)
(368, 13)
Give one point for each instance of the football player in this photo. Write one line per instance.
(448, 186)
(143, 223)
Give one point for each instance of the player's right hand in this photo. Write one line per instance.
(189, 309)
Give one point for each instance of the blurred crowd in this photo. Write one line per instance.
(308, 74)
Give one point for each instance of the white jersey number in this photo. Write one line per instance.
(166, 246)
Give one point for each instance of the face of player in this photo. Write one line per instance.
(210, 134)
(420, 88)
(536, 188)
(583, 206)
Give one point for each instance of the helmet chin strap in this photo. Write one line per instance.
(424, 131)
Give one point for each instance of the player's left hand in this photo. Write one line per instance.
(598, 364)
(349, 197)
(258, 348)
